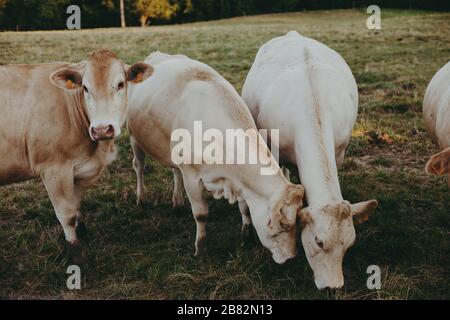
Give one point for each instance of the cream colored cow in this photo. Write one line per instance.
(181, 92)
(436, 111)
(58, 122)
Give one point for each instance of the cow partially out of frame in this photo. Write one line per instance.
(436, 111)
(58, 123)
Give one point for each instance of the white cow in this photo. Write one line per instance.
(306, 90)
(436, 111)
(181, 92)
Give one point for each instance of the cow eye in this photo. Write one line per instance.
(319, 243)
(85, 89)
(120, 86)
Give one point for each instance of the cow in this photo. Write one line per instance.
(58, 123)
(307, 90)
(436, 112)
(180, 93)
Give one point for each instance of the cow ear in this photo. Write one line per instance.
(305, 217)
(284, 208)
(439, 164)
(363, 210)
(138, 72)
(67, 79)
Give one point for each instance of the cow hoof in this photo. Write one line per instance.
(81, 230)
(141, 198)
(247, 235)
(76, 254)
(246, 232)
(80, 260)
(140, 202)
(200, 252)
(200, 248)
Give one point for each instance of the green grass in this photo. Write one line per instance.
(147, 252)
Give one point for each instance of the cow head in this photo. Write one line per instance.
(276, 224)
(327, 234)
(103, 79)
(439, 164)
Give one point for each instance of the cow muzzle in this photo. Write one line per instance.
(282, 257)
(102, 132)
(329, 284)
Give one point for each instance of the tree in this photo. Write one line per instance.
(2, 7)
(123, 23)
(155, 9)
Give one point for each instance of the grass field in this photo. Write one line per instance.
(147, 252)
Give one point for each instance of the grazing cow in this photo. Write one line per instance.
(307, 90)
(58, 122)
(181, 92)
(436, 111)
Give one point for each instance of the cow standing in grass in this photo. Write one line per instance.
(306, 90)
(181, 92)
(436, 111)
(58, 122)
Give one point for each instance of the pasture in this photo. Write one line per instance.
(147, 252)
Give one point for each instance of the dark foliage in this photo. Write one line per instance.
(37, 14)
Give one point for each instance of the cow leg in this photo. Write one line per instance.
(287, 173)
(177, 198)
(59, 182)
(138, 166)
(80, 226)
(194, 190)
(340, 154)
(340, 158)
(246, 222)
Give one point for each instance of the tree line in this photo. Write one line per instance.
(41, 15)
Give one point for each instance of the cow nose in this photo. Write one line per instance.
(289, 261)
(102, 132)
(282, 259)
(331, 288)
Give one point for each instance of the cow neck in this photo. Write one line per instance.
(317, 168)
(77, 112)
(233, 183)
(105, 151)
(270, 189)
